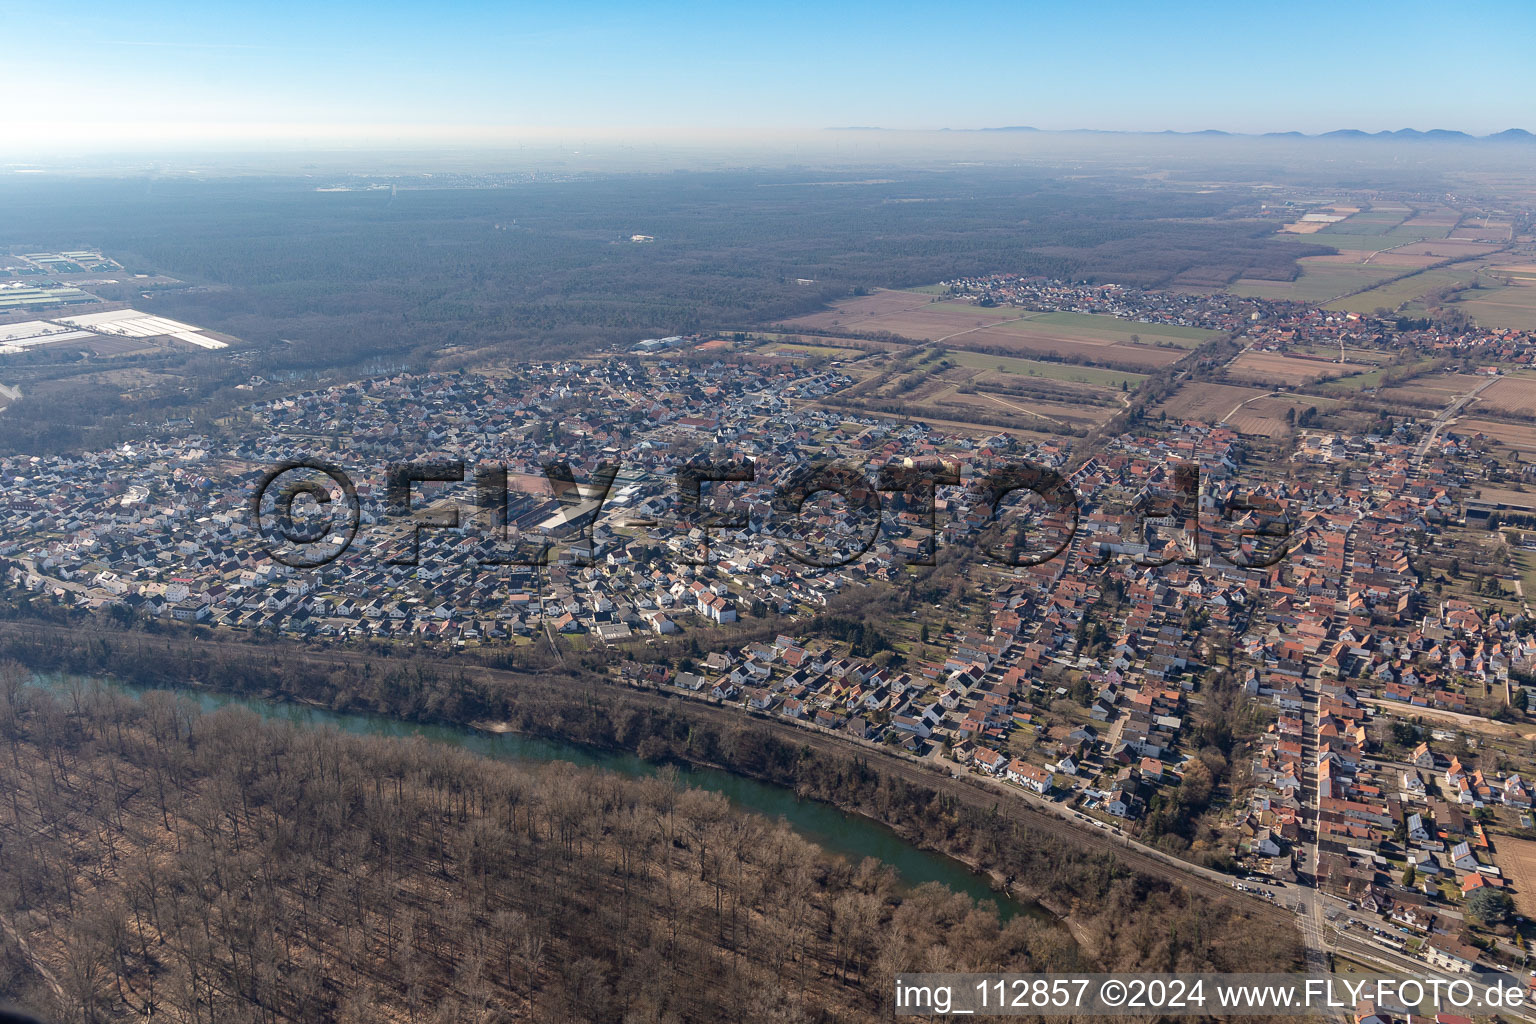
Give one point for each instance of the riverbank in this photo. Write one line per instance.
(850, 836)
(958, 817)
(998, 883)
(220, 866)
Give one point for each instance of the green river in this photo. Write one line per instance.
(846, 835)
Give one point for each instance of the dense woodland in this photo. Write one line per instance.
(220, 868)
(1125, 919)
(458, 276)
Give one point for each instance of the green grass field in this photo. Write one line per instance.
(1368, 222)
(1399, 292)
(1525, 563)
(1356, 382)
(1369, 379)
(1513, 306)
(1053, 371)
(1318, 282)
(1347, 241)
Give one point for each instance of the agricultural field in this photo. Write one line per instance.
(1054, 371)
(1322, 279)
(990, 314)
(1447, 249)
(1267, 416)
(1248, 410)
(1034, 413)
(853, 314)
(1013, 332)
(927, 321)
(1314, 221)
(1517, 437)
(1369, 356)
(1399, 259)
(1516, 272)
(1207, 403)
(1352, 242)
(1487, 230)
(1512, 305)
(1275, 368)
(986, 391)
(104, 345)
(1434, 389)
(1442, 217)
(1517, 859)
(1515, 393)
(1153, 334)
(792, 348)
(1353, 383)
(1397, 294)
(1375, 221)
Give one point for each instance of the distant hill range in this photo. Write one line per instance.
(1515, 135)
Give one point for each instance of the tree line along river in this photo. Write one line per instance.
(846, 835)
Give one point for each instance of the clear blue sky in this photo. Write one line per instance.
(730, 69)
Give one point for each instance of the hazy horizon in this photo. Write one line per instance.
(221, 76)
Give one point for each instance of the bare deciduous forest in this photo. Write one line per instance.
(263, 828)
(219, 868)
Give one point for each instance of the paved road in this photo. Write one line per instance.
(1443, 420)
(1309, 904)
(1321, 939)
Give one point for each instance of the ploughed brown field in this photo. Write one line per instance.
(1248, 410)
(1433, 388)
(1512, 394)
(1275, 368)
(1520, 436)
(849, 314)
(1266, 416)
(1208, 403)
(1517, 859)
(1052, 413)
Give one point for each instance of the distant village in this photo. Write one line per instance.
(1111, 681)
